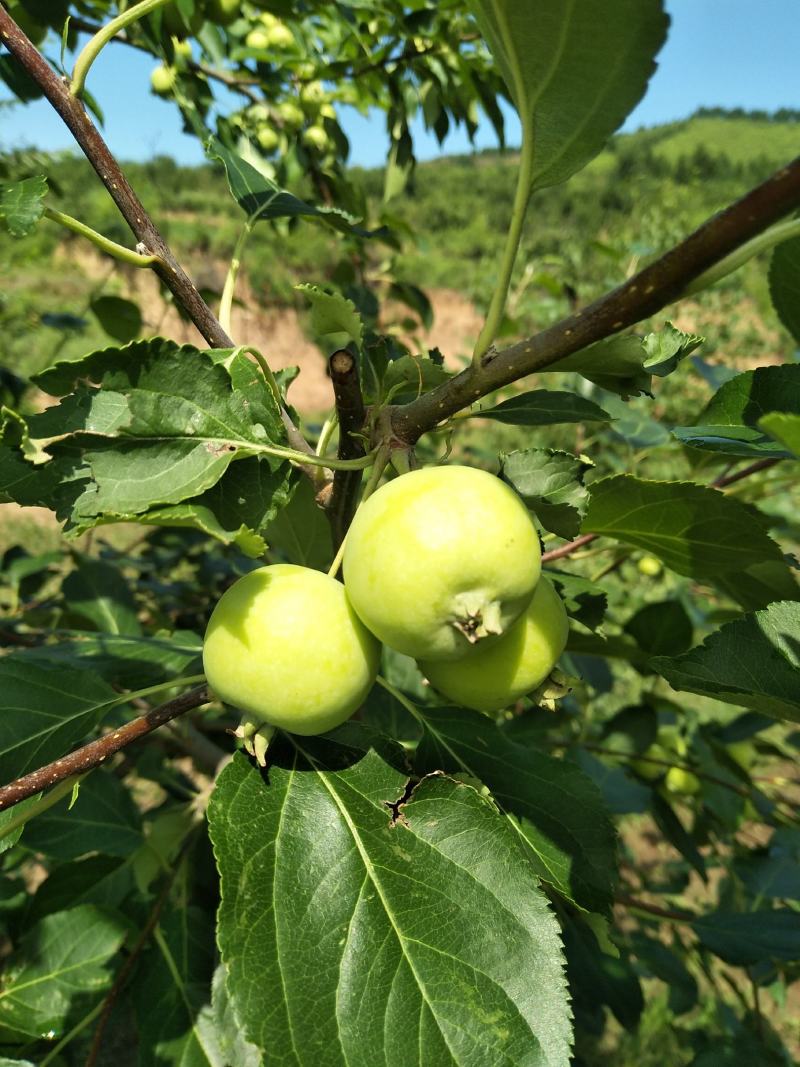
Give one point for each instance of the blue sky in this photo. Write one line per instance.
(733, 53)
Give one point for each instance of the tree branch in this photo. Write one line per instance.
(352, 416)
(92, 755)
(641, 296)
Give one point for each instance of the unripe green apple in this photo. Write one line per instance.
(313, 93)
(441, 559)
(290, 113)
(650, 566)
(681, 782)
(163, 79)
(743, 753)
(280, 37)
(223, 12)
(284, 645)
(316, 137)
(267, 138)
(497, 674)
(181, 50)
(651, 771)
(257, 38)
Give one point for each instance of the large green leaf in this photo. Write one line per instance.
(574, 70)
(103, 819)
(695, 530)
(45, 710)
(557, 809)
(544, 407)
(551, 484)
(162, 430)
(363, 922)
(744, 939)
(753, 662)
(784, 284)
(784, 428)
(59, 962)
(22, 204)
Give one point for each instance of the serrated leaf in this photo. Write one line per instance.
(121, 319)
(760, 584)
(300, 531)
(744, 441)
(45, 710)
(625, 363)
(22, 204)
(753, 662)
(598, 978)
(784, 284)
(59, 962)
(744, 939)
(220, 1030)
(544, 407)
(584, 600)
(784, 428)
(573, 70)
(103, 819)
(22, 481)
(411, 376)
(558, 810)
(260, 198)
(430, 924)
(334, 318)
(695, 530)
(551, 484)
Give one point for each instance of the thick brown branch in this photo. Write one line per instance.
(352, 416)
(641, 296)
(96, 752)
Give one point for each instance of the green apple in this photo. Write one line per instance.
(280, 37)
(651, 771)
(497, 674)
(441, 559)
(743, 753)
(163, 79)
(267, 138)
(650, 566)
(223, 12)
(316, 137)
(681, 782)
(290, 113)
(284, 646)
(257, 38)
(181, 50)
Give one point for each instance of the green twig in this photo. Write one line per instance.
(226, 300)
(494, 316)
(92, 49)
(774, 236)
(126, 255)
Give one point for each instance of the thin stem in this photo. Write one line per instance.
(774, 236)
(226, 300)
(126, 255)
(138, 694)
(381, 459)
(326, 433)
(522, 197)
(43, 804)
(654, 909)
(92, 49)
(78, 1028)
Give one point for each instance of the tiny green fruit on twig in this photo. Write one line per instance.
(163, 79)
(95, 45)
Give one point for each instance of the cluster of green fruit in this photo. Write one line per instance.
(441, 564)
(657, 763)
(271, 125)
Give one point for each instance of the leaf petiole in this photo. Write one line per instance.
(120, 252)
(96, 44)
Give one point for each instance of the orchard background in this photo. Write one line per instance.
(612, 877)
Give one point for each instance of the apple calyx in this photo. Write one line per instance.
(475, 617)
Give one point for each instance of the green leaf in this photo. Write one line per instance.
(220, 1030)
(59, 962)
(558, 810)
(784, 284)
(744, 939)
(424, 918)
(544, 407)
(162, 428)
(753, 662)
(260, 198)
(742, 441)
(103, 819)
(598, 978)
(22, 204)
(574, 71)
(22, 481)
(551, 484)
(175, 974)
(759, 584)
(45, 710)
(695, 530)
(98, 593)
(585, 600)
(662, 628)
(121, 659)
(300, 531)
(410, 376)
(334, 318)
(784, 428)
(625, 363)
(102, 880)
(121, 319)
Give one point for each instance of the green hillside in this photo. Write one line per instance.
(739, 140)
